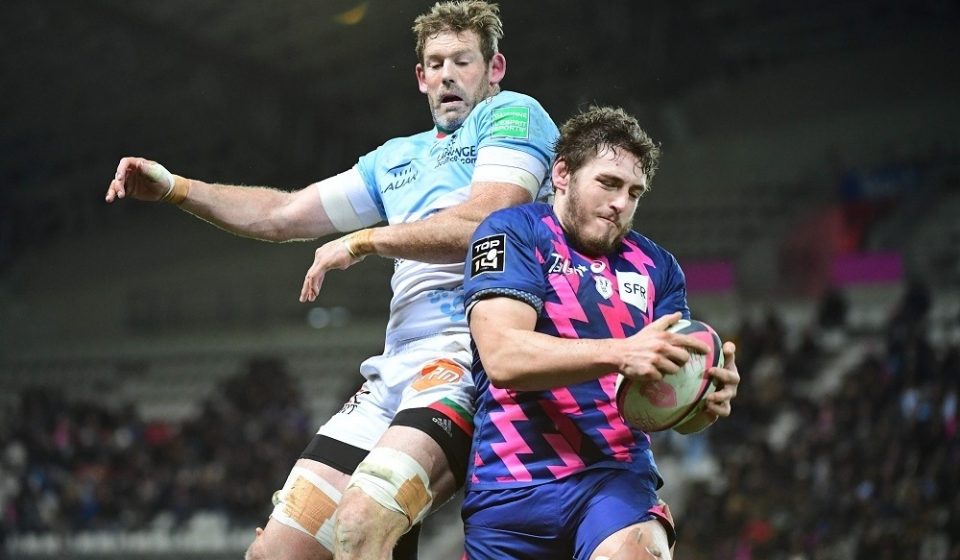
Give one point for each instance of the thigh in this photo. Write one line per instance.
(514, 523)
(303, 515)
(434, 420)
(439, 375)
(611, 501)
(366, 415)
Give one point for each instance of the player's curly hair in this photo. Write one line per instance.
(483, 18)
(587, 134)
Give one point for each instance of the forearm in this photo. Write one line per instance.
(444, 236)
(527, 360)
(257, 212)
(438, 239)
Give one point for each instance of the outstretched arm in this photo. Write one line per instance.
(258, 212)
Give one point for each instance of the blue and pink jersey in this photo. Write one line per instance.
(524, 438)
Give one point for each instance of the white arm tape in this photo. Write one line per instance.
(347, 202)
(504, 165)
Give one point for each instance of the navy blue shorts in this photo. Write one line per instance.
(567, 518)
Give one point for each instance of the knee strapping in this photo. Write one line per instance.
(396, 481)
(308, 503)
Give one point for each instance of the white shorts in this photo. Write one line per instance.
(427, 372)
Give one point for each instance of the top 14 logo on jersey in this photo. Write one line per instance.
(488, 254)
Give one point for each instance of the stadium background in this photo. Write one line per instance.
(158, 377)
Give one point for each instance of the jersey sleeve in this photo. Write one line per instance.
(511, 121)
(502, 261)
(673, 293)
(367, 167)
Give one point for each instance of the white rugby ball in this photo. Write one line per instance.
(653, 406)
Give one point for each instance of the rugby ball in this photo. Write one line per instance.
(654, 406)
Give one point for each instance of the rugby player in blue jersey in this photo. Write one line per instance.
(385, 463)
(560, 299)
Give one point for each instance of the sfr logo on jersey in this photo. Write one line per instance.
(633, 288)
(488, 254)
(438, 372)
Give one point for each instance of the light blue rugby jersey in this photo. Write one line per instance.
(408, 179)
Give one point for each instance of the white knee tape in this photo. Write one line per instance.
(396, 481)
(307, 503)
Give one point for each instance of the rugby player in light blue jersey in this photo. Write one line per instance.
(562, 299)
(400, 450)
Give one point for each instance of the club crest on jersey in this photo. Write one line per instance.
(488, 254)
(604, 286)
(633, 288)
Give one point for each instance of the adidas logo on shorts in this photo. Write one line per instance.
(446, 424)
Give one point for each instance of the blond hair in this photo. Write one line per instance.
(483, 18)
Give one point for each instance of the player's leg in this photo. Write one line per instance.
(404, 478)
(520, 523)
(643, 541)
(301, 525)
(622, 517)
(421, 460)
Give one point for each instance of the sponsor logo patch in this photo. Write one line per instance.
(488, 254)
(438, 372)
(633, 289)
(512, 122)
(354, 401)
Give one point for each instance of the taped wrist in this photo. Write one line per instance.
(178, 191)
(359, 243)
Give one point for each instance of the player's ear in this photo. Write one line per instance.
(560, 175)
(497, 68)
(421, 78)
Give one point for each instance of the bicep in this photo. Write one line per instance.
(488, 197)
(340, 203)
(492, 320)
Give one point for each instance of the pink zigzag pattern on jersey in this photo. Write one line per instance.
(615, 313)
(643, 264)
(567, 443)
(513, 442)
(565, 286)
(618, 435)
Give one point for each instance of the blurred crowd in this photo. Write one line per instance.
(869, 469)
(866, 472)
(70, 466)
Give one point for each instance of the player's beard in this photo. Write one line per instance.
(577, 235)
(452, 121)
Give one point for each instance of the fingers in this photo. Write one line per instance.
(692, 343)
(727, 380)
(116, 189)
(312, 282)
(730, 355)
(665, 322)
